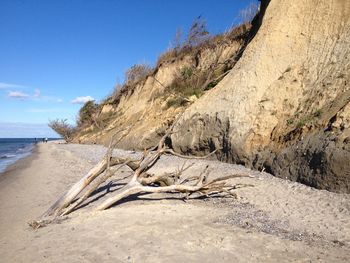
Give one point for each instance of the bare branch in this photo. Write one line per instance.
(141, 181)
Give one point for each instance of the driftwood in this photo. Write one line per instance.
(140, 182)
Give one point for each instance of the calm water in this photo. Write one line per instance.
(14, 149)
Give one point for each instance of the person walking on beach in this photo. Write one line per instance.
(45, 140)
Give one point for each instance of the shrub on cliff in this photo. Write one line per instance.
(87, 113)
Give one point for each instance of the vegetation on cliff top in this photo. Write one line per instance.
(189, 81)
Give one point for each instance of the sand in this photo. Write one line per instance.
(272, 221)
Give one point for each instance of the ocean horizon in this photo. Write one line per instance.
(13, 149)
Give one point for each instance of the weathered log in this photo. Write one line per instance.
(140, 182)
(78, 187)
(95, 184)
(136, 188)
(67, 198)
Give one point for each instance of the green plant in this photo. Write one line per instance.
(301, 123)
(318, 113)
(211, 85)
(195, 92)
(187, 72)
(87, 112)
(290, 121)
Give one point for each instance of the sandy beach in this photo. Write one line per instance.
(273, 220)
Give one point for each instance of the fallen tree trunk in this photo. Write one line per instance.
(140, 182)
(135, 188)
(78, 187)
(67, 198)
(88, 192)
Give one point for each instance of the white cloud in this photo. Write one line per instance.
(82, 100)
(35, 96)
(9, 85)
(17, 95)
(37, 93)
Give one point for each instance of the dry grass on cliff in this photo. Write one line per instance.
(190, 81)
(195, 81)
(134, 76)
(234, 34)
(190, 84)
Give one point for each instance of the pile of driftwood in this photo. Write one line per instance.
(141, 181)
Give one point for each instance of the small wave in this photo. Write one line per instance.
(13, 150)
(24, 149)
(6, 156)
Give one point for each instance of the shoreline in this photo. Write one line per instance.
(25, 161)
(20, 163)
(273, 221)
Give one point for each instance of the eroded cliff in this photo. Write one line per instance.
(283, 107)
(141, 112)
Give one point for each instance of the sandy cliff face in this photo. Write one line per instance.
(285, 105)
(142, 115)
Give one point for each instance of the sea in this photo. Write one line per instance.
(13, 149)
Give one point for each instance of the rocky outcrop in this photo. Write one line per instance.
(285, 105)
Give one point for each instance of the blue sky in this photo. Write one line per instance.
(57, 54)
